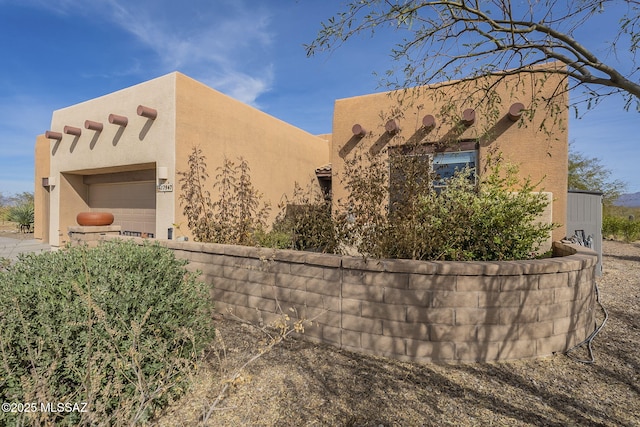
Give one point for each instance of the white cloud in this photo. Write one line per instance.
(224, 42)
(219, 43)
(239, 85)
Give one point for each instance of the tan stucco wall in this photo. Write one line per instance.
(540, 155)
(327, 137)
(114, 149)
(189, 113)
(40, 194)
(73, 199)
(278, 153)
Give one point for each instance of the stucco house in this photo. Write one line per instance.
(122, 152)
(449, 125)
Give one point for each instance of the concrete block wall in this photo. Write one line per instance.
(409, 310)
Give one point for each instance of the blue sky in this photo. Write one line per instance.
(57, 53)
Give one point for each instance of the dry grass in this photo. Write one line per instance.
(12, 230)
(303, 384)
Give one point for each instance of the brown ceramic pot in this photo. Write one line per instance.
(94, 218)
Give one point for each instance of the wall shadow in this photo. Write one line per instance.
(633, 258)
(495, 131)
(54, 150)
(377, 147)
(94, 140)
(349, 146)
(419, 135)
(452, 135)
(145, 129)
(118, 135)
(72, 147)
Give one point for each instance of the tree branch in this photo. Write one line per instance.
(481, 35)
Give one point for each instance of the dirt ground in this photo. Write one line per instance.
(11, 230)
(298, 383)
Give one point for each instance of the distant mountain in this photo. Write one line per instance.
(628, 200)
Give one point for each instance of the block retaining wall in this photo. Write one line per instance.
(409, 310)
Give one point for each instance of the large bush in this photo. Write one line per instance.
(118, 327)
(235, 216)
(22, 214)
(620, 227)
(493, 219)
(304, 223)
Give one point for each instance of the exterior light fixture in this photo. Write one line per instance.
(515, 111)
(163, 173)
(53, 135)
(49, 181)
(70, 130)
(164, 186)
(358, 131)
(149, 113)
(91, 125)
(115, 119)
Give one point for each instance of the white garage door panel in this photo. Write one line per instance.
(133, 204)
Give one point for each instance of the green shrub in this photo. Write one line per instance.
(21, 214)
(495, 219)
(611, 226)
(489, 222)
(619, 227)
(118, 327)
(4, 213)
(274, 239)
(306, 220)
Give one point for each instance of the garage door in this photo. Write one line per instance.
(133, 205)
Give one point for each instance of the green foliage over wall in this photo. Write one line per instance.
(392, 210)
(306, 220)
(118, 327)
(494, 219)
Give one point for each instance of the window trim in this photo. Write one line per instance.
(431, 149)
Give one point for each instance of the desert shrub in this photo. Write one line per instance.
(626, 228)
(118, 327)
(306, 219)
(611, 226)
(488, 221)
(238, 212)
(362, 219)
(273, 239)
(4, 213)
(21, 214)
(463, 220)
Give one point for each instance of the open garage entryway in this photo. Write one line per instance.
(129, 195)
(133, 205)
(128, 192)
